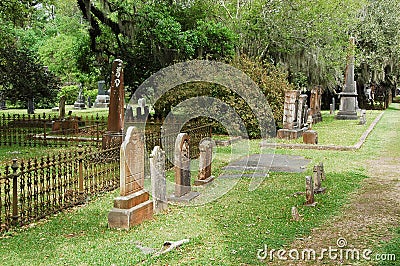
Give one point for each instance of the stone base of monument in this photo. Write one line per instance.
(79, 105)
(290, 133)
(65, 126)
(184, 198)
(201, 182)
(111, 139)
(310, 137)
(130, 210)
(346, 115)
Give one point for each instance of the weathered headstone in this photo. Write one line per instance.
(116, 111)
(101, 87)
(315, 104)
(348, 98)
(205, 160)
(61, 107)
(293, 115)
(102, 99)
(309, 192)
(142, 104)
(129, 114)
(363, 117)
(133, 205)
(158, 180)
(317, 179)
(80, 101)
(321, 167)
(302, 111)
(183, 190)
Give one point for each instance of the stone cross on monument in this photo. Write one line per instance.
(348, 98)
(116, 110)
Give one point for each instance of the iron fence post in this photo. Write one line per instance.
(14, 167)
(80, 169)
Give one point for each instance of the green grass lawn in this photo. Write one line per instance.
(83, 112)
(226, 231)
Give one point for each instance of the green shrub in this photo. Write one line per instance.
(271, 81)
(71, 93)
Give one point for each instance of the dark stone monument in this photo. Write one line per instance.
(102, 99)
(31, 106)
(89, 102)
(116, 111)
(2, 102)
(348, 98)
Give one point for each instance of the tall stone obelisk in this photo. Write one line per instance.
(116, 112)
(348, 98)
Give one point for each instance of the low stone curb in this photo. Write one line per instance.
(326, 147)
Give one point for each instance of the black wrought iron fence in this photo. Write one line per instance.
(47, 130)
(35, 188)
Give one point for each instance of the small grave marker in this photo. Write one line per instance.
(158, 181)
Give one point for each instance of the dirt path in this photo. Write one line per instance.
(368, 219)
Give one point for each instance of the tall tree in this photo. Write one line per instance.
(149, 35)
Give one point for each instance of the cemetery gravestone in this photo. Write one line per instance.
(142, 104)
(205, 160)
(363, 117)
(31, 106)
(294, 115)
(2, 102)
(89, 102)
(158, 180)
(309, 191)
(183, 189)
(133, 205)
(348, 98)
(315, 104)
(129, 114)
(102, 99)
(80, 101)
(116, 112)
(317, 179)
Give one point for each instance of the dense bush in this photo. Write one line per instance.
(270, 80)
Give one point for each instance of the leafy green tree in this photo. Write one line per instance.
(149, 35)
(308, 37)
(25, 79)
(379, 44)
